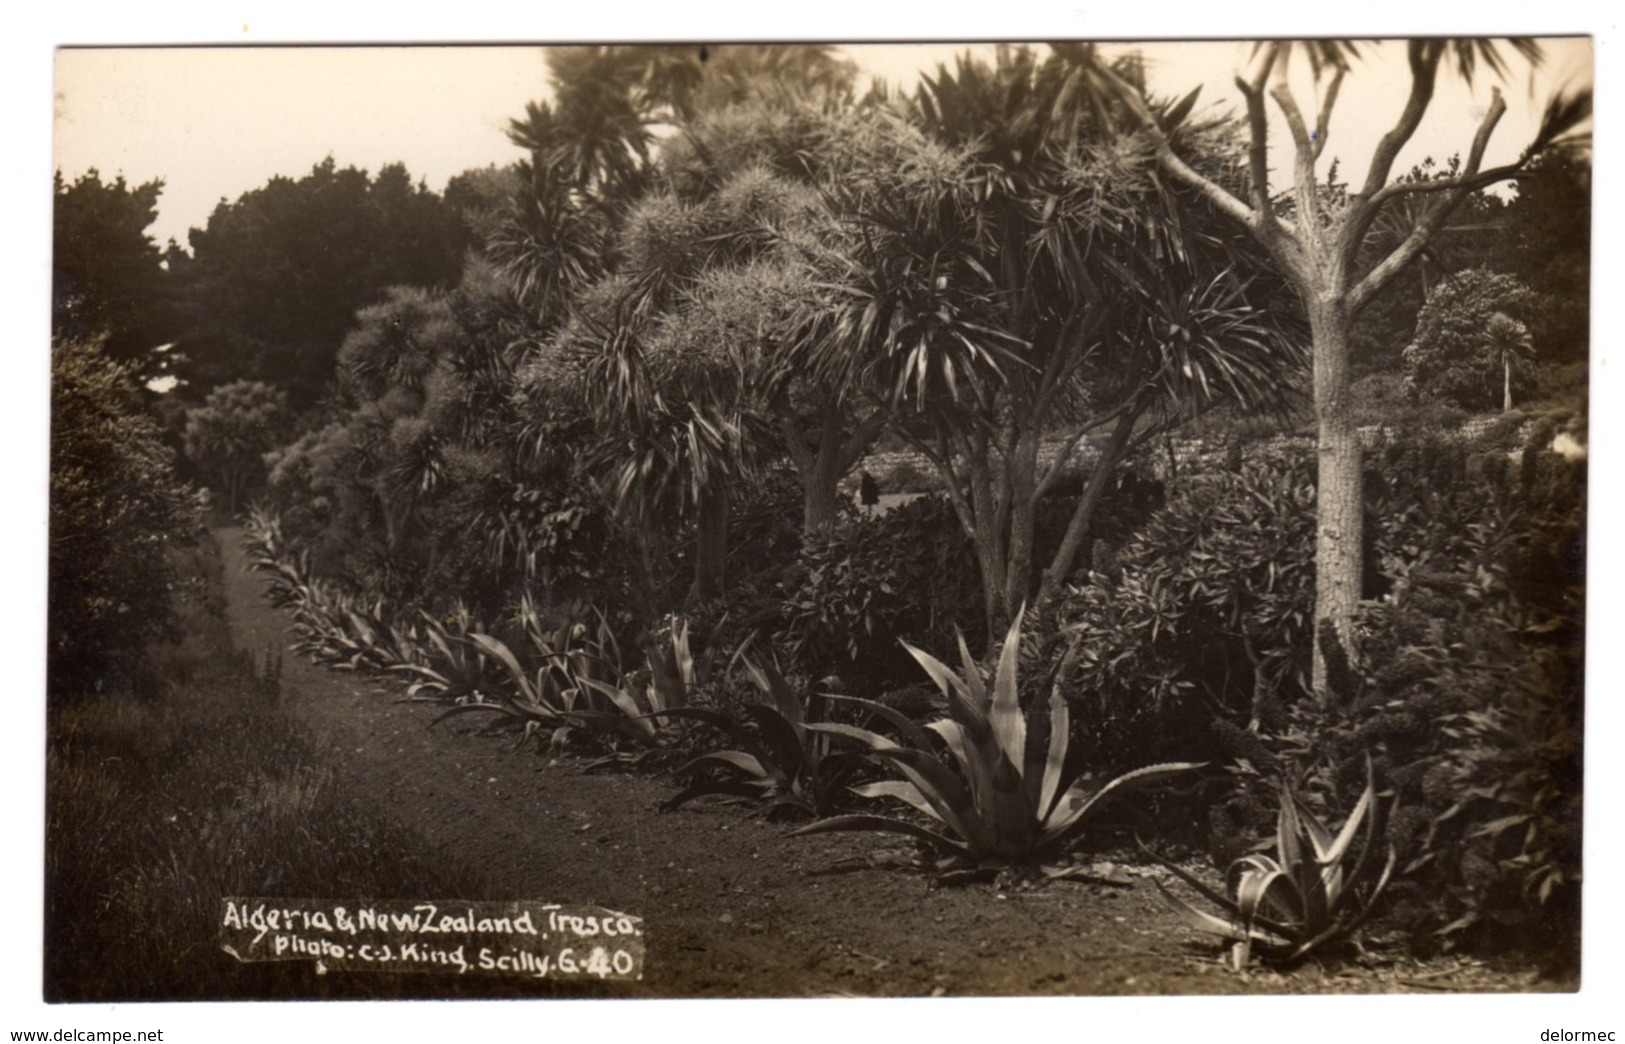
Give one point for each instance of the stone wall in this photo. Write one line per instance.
(906, 471)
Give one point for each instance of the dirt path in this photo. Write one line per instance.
(731, 906)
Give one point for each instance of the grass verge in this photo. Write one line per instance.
(161, 804)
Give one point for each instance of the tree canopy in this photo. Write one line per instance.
(107, 280)
(274, 280)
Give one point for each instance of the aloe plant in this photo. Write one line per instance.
(1312, 893)
(1014, 798)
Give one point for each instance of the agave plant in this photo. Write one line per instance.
(451, 668)
(368, 641)
(784, 765)
(287, 572)
(1312, 893)
(1014, 799)
(571, 681)
(530, 700)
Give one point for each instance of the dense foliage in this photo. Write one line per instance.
(1473, 347)
(106, 278)
(227, 437)
(1464, 686)
(860, 584)
(1203, 613)
(274, 279)
(1469, 681)
(116, 509)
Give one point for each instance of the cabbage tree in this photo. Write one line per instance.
(1010, 271)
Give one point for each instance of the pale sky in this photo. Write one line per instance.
(217, 122)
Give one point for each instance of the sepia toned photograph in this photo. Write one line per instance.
(617, 521)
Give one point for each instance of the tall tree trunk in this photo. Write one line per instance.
(710, 546)
(1022, 475)
(392, 533)
(1083, 515)
(646, 587)
(1339, 496)
(988, 538)
(821, 489)
(821, 463)
(822, 478)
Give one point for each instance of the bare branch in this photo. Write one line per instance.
(1066, 363)
(1282, 93)
(1213, 191)
(1323, 122)
(1429, 224)
(1424, 61)
(1052, 474)
(1304, 153)
(1481, 180)
(1258, 130)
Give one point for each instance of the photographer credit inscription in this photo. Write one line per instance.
(515, 938)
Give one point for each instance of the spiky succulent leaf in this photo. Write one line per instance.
(938, 841)
(1004, 715)
(737, 760)
(785, 742)
(976, 769)
(772, 684)
(503, 655)
(911, 733)
(1074, 809)
(971, 672)
(1051, 780)
(624, 702)
(947, 793)
(899, 790)
(963, 706)
(1266, 886)
(753, 790)
(1207, 922)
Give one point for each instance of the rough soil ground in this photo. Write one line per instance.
(732, 907)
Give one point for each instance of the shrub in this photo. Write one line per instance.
(498, 534)
(1383, 399)
(1469, 684)
(1204, 613)
(784, 765)
(1465, 688)
(864, 583)
(115, 510)
(1471, 337)
(1463, 684)
(764, 537)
